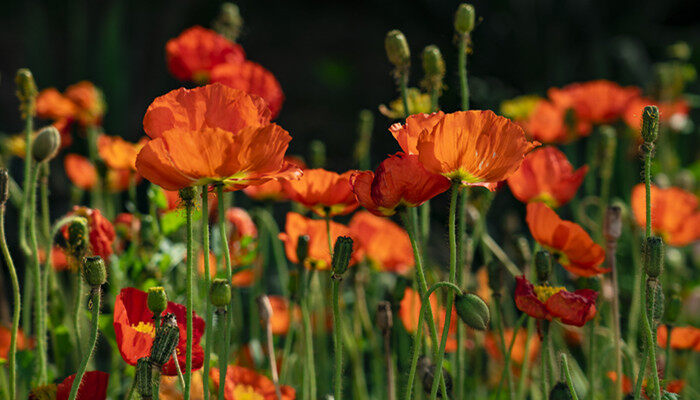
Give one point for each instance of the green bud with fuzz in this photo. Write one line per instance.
(342, 251)
(543, 265)
(187, 195)
(94, 271)
(144, 378)
(78, 240)
(464, 19)
(397, 49)
(473, 311)
(653, 256)
(220, 293)
(433, 63)
(165, 342)
(157, 300)
(650, 124)
(46, 144)
(26, 92)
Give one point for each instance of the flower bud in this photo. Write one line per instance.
(46, 144)
(144, 378)
(653, 256)
(612, 224)
(560, 391)
(385, 318)
(302, 248)
(494, 270)
(650, 124)
(397, 49)
(167, 337)
(229, 22)
(220, 293)
(464, 18)
(433, 63)
(94, 271)
(317, 154)
(543, 265)
(26, 91)
(157, 300)
(4, 186)
(473, 311)
(342, 251)
(674, 304)
(78, 240)
(187, 195)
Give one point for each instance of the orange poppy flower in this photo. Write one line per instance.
(117, 153)
(192, 55)
(212, 134)
(682, 337)
(594, 102)
(23, 342)
(669, 112)
(385, 244)
(674, 213)
(251, 78)
(272, 190)
(318, 256)
(324, 192)
(400, 180)
(80, 171)
(51, 104)
(569, 243)
(93, 386)
(170, 388)
(546, 123)
(409, 313)
(282, 316)
(407, 134)
(492, 344)
(547, 176)
(82, 102)
(101, 231)
(547, 302)
(244, 383)
(476, 148)
(671, 387)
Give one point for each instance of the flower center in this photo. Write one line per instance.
(145, 327)
(544, 292)
(246, 392)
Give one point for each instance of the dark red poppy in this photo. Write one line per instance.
(548, 302)
(93, 386)
(192, 55)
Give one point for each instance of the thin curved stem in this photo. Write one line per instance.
(209, 310)
(17, 304)
(309, 343)
(190, 299)
(567, 376)
(227, 257)
(96, 299)
(26, 186)
(38, 302)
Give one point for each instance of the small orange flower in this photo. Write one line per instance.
(243, 383)
(318, 256)
(546, 175)
(569, 243)
(272, 190)
(547, 302)
(385, 244)
(212, 134)
(674, 213)
(80, 171)
(117, 153)
(51, 104)
(194, 54)
(23, 342)
(82, 102)
(409, 313)
(251, 78)
(407, 134)
(400, 180)
(476, 148)
(669, 112)
(517, 355)
(282, 316)
(324, 192)
(594, 102)
(682, 337)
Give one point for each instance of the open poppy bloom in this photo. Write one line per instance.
(566, 240)
(100, 230)
(80, 171)
(409, 313)
(325, 192)
(134, 329)
(251, 78)
(400, 181)
(318, 256)
(548, 302)
(93, 386)
(675, 386)
(192, 55)
(475, 148)
(674, 213)
(517, 355)
(407, 134)
(272, 190)
(244, 383)
(547, 176)
(117, 153)
(385, 244)
(212, 135)
(594, 102)
(682, 337)
(674, 113)
(81, 102)
(23, 342)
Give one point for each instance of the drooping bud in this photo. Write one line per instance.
(650, 124)
(26, 92)
(385, 318)
(342, 251)
(464, 18)
(674, 304)
(433, 63)
(560, 391)
(157, 300)
(229, 22)
(187, 195)
(167, 337)
(473, 311)
(220, 293)
(4, 186)
(78, 240)
(397, 49)
(46, 144)
(653, 256)
(302, 248)
(317, 154)
(494, 270)
(543, 265)
(94, 271)
(612, 224)
(144, 378)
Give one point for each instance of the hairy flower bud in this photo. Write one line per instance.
(164, 343)
(144, 378)
(464, 18)
(302, 248)
(187, 195)
(659, 303)
(650, 124)
(4, 186)
(543, 265)
(46, 392)
(397, 49)
(612, 224)
(78, 240)
(157, 300)
(229, 22)
(653, 256)
(46, 144)
(220, 293)
(560, 391)
(94, 271)
(433, 63)
(385, 318)
(473, 311)
(26, 92)
(342, 251)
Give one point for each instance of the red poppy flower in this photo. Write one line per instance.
(668, 112)
(23, 342)
(101, 231)
(674, 213)
(384, 243)
(547, 302)
(82, 102)
(134, 329)
(93, 386)
(409, 313)
(244, 383)
(324, 192)
(407, 134)
(194, 54)
(547, 176)
(251, 78)
(569, 243)
(212, 134)
(682, 337)
(400, 180)
(318, 256)
(59, 259)
(80, 171)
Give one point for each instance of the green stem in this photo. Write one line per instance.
(506, 354)
(309, 345)
(96, 300)
(425, 224)
(38, 302)
(525, 372)
(590, 330)
(544, 381)
(453, 279)
(611, 252)
(207, 282)
(277, 251)
(328, 234)
(223, 361)
(647, 320)
(76, 315)
(17, 304)
(462, 67)
(403, 87)
(647, 185)
(337, 340)
(26, 186)
(567, 376)
(190, 299)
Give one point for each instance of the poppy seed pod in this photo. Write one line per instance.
(560, 391)
(4, 186)
(650, 124)
(397, 49)
(157, 300)
(187, 195)
(94, 271)
(46, 144)
(495, 272)
(433, 63)
(653, 256)
(78, 240)
(464, 18)
(612, 224)
(220, 293)
(543, 265)
(342, 251)
(473, 311)
(144, 378)
(385, 318)
(303, 248)
(164, 343)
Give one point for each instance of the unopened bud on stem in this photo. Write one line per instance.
(220, 293)
(26, 92)
(167, 338)
(397, 49)
(653, 256)
(46, 144)
(464, 19)
(433, 63)
(157, 300)
(187, 195)
(385, 318)
(144, 378)
(473, 311)
(342, 251)
(650, 124)
(94, 271)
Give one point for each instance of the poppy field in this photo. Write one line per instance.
(547, 248)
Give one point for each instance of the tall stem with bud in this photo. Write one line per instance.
(17, 302)
(207, 283)
(187, 195)
(223, 360)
